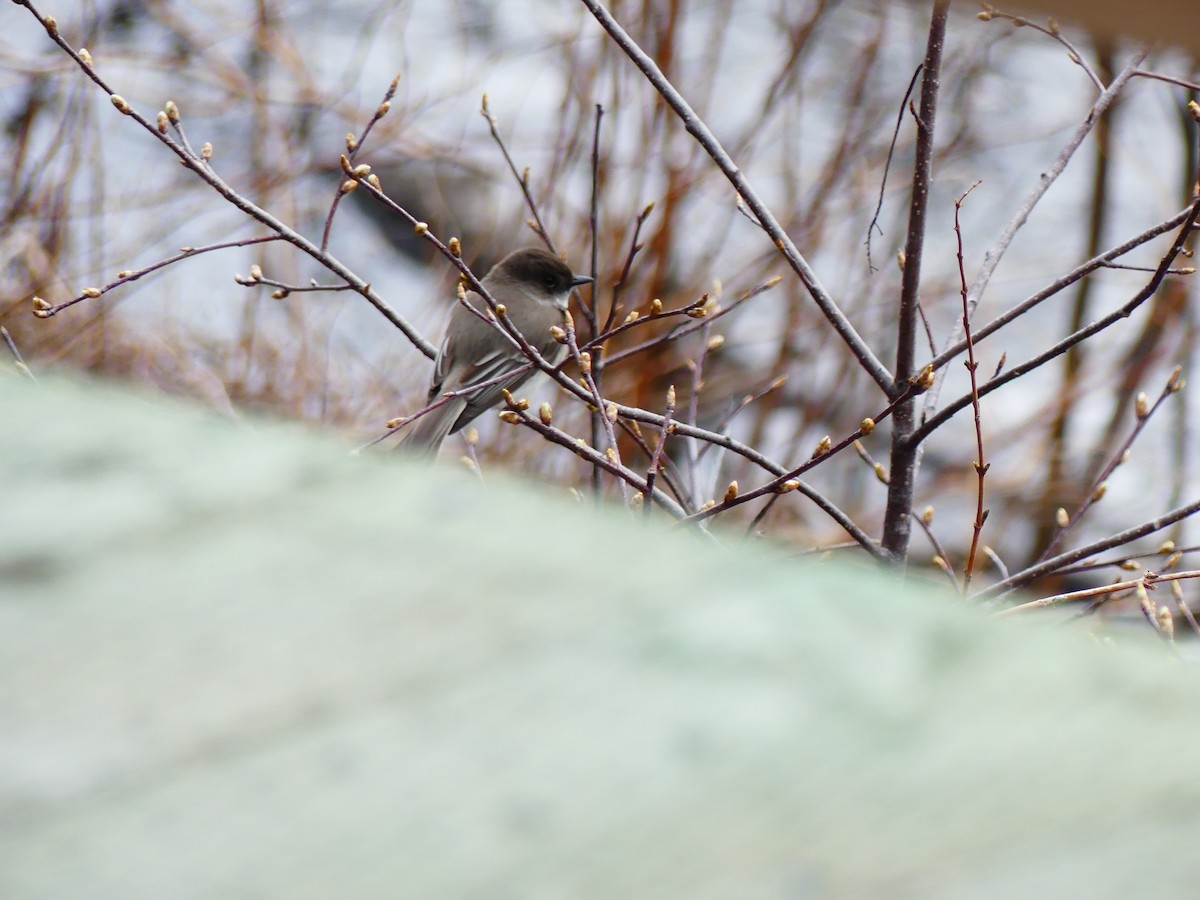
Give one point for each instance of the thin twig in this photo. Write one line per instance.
(18, 361)
(522, 177)
(887, 165)
(981, 466)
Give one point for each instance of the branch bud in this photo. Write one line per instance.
(716, 341)
(1100, 491)
(788, 486)
(656, 307)
(351, 142)
(822, 447)
(361, 171)
(1061, 519)
(119, 102)
(472, 435)
(373, 181)
(881, 473)
(866, 426)
(512, 418)
(546, 414)
(421, 228)
(348, 186)
(85, 56)
(1142, 405)
(927, 515)
(1165, 623)
(731, 492)
(206, 151)
(558, 334)
(172, 112)
(585, 362)
(610, 412)
(455, 246)
(161, 122)
(90, 292)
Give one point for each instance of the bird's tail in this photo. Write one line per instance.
(424, 436)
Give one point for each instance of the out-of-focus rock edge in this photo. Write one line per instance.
(235, 663)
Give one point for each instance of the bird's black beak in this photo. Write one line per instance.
(577, 280)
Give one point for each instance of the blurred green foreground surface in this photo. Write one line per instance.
(235, 663)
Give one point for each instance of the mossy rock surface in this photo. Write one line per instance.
(235, 662)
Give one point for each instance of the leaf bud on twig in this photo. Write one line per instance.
(351, 142)
(822, 447)
(90, 292)
(558, 334)
(206, 151)
(1141, 405)
(788, 486)
(348, 186)
(172, 112)
(512, 418)
(585, 362)
(85, 56)
(881, 473)
(455, 246)
(52, 26)
(1061, 518)
(546, 414)
(119, 102)
(1100, 491)
(421, 228)
(731, 492)
(361, 171)
(715, 342)
(632, 317)
(610, 412)
(472, 436)
(373, 181)
(161, 122)
(656, 307)
(866, 426)
(1166, 623)
(927, 515)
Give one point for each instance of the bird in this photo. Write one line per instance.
(534, 286)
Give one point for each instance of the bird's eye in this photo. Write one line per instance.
(548, 281)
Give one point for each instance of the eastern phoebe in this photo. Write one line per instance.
(534, 286)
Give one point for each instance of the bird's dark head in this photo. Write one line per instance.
(539, 272)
